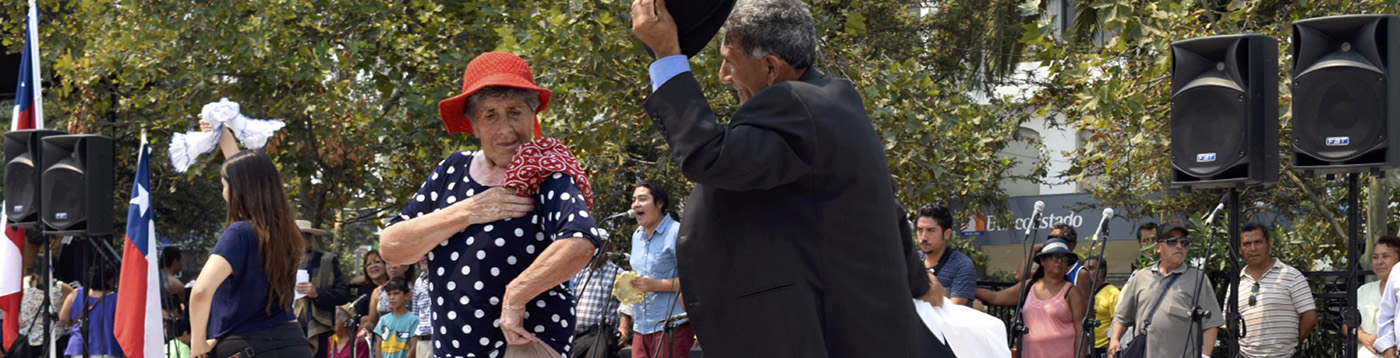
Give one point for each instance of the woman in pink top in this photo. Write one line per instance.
(1052, 311)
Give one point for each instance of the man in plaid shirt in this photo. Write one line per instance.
(596, 305)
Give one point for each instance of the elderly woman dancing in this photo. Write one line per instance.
(498, 250)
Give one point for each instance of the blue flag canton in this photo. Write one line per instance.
(139, 215)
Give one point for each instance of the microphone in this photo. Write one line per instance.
(357, 300)
(1103, 223)
(1039, 207)
(629, 213)
(1210, 219)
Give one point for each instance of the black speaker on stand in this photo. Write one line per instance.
(1224, 111)
(1346, 77)
(77, 195)
(1224, 120)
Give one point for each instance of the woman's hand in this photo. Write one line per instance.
(201, 348)
(1367, 340)
(496, 204)
(512, 324)
(204, 125)
(1113, 347)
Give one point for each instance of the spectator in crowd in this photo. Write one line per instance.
(177, 344)
(1146, 236)
(395, 330)
(654, 258)
(497, 256)
(372, 275)
(172, 291)
(422, 306)
(1105, 302)
(1076, 274)
(595, 333)
(93, 308)
(382, 306)
(1278, 310)
(326, 290)
(934, 227)
(242, 299)
(1175, 283)
(345, 342)
(1052, 311)
(1368, 297)
(32, 303)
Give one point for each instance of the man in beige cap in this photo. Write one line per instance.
(325, 290)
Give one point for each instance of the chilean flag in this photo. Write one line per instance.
(27, 115)
(137, 325)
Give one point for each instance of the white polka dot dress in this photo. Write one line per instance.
(469, 272)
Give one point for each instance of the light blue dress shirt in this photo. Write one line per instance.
(654, 256)
(667, 67)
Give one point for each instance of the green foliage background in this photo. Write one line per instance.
(358, 84)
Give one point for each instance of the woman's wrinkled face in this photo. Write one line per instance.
(503, 125)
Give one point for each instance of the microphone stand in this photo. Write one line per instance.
(1086, 338)
(354, 328)
(1018, 323)
(594, 265)
(1198, 315)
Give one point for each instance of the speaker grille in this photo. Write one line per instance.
(19, 188)
(1339, 112)
(1210, 121)
(64, 193)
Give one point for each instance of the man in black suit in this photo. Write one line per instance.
(792, 243)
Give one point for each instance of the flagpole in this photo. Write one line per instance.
(34, 64)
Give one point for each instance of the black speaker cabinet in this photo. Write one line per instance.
(22, 175)
(78, 184)
(1224, 111)
(1345, 83)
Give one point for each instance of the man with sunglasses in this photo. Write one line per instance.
(1164, 333)
(1277, 304)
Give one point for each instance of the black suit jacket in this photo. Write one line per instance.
(792, 243)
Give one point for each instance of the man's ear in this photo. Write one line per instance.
(776, 67)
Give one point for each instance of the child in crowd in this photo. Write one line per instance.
(396, 330)
(180, 346)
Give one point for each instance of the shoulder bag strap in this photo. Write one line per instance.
(1160, 296)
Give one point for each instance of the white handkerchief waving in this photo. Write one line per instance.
(969, 332)
(185, 148)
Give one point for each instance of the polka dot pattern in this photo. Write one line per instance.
(469, 271)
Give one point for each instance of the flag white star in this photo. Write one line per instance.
(142, 199)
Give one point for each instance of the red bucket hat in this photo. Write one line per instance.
(490, 69)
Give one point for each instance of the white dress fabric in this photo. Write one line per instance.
(185, 148)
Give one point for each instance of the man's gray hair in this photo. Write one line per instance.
(530, 97)
(773, 27)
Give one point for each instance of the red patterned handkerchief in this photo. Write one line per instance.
(541, 158)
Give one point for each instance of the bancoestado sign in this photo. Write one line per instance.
(987, 231)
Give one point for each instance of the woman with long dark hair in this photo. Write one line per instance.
(242, 301)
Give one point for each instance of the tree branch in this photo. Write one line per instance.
(1321, 207)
